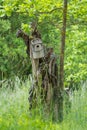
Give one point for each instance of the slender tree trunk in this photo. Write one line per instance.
(61, 84)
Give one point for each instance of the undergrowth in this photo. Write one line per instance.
(15, 115)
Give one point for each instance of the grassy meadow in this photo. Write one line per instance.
(14, 113)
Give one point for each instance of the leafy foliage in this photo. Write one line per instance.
(17, 14)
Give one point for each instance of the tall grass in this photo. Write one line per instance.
(14, 113)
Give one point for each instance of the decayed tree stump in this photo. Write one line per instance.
(44, 71)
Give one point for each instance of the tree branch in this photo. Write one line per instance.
(48, 12)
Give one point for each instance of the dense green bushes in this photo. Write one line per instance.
(13, 58)
(48, 15)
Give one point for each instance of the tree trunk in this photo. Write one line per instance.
(61, 84)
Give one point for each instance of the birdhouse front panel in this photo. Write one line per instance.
(37, 48)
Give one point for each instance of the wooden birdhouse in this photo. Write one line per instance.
(37, 49)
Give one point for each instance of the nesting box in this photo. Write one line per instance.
(37, 48)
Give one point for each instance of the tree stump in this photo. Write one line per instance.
(44, 71)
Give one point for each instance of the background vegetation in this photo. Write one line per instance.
(15, 64)
(15, 14)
